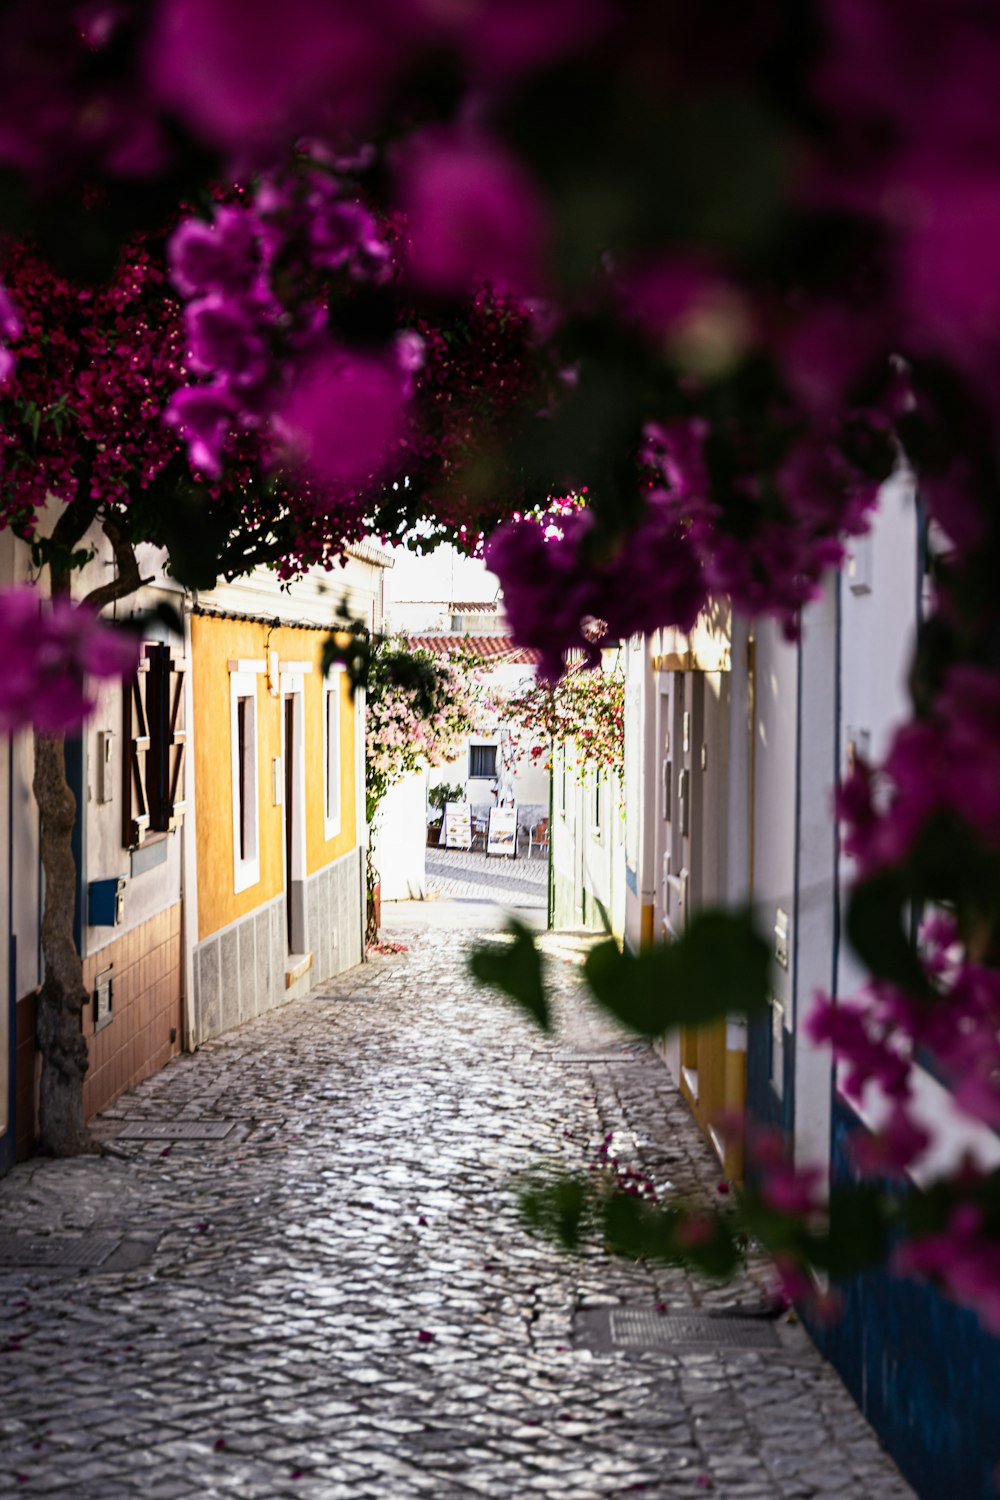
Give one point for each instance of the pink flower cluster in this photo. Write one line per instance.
(563, 589)
(255, 278)
(95, 367)
(52, 650)
(10, 327)
(882, 1038)
(401, 734)
(964, 1258)
(947, 762)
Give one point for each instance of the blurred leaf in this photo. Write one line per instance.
(875, 916)
(557, 1210)
(858, 1234)
(516, 969)
(162, 614)
(720, 965)
(349, 643)
(195, 534)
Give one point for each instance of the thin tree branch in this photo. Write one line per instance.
(129, 579)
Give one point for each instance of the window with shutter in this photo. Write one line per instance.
(172, 743)
(154, 738)
(136, 743)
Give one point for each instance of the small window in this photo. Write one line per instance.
(331, 753)
(482, 762)
(246, 800)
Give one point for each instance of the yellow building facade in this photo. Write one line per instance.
(275, 892)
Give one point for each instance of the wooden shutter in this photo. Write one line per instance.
(136, 744)
(174, 741)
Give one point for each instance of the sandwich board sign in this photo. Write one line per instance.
(502, 836)
(457, 825)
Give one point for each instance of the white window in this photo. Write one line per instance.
(246, 789)
(332, 694)
(600, 798)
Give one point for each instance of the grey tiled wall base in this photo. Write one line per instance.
(239, 973)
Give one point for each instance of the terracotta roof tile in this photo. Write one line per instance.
(494, 647)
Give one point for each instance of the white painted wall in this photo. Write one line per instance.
(812, 951)
(400, 854)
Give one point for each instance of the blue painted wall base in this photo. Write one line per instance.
(923, 1371)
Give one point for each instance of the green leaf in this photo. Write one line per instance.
(557, 1210)
(875, 916)
(720, 965)
(516, 969)
(858, 1234)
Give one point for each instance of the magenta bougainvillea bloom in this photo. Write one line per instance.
(345, 414)
(53, 652)
(247, 75)
(10, 327)
(472, 215)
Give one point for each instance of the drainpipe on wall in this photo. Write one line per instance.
(550, 915)
(189, 846)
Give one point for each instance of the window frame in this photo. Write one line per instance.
(245, 777)
(597, 806)
(483, 745)
(333, 693)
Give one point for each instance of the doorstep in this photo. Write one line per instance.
(296, 964)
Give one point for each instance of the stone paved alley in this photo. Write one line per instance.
(313, 1283)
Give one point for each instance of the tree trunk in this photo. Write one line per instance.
(60, 1003)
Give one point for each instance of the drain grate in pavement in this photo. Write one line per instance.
(90, 1250)
(607, 1329)
(176, 1130)
(563, 1056)
(363, 999)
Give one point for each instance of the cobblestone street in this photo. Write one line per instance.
(299, 1272)
(462, 875)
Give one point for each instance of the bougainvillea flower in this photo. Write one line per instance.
(214, 256)
(202, 415)
(244, 74)
(344, 414)
(51, 650)
(473, 214)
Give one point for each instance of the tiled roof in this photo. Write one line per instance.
(466, 607)
(370, 552)
(495, 647)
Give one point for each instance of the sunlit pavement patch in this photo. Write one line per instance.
(363, 1196)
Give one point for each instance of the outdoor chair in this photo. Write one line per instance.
(538, 836)
(480, 829)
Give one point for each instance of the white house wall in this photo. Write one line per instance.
(401, 852)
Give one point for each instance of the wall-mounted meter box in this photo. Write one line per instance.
(106, 902)
(105, 769)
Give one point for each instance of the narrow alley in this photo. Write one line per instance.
(298, 1271)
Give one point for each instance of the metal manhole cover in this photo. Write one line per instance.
(176, 1130)
(54, 1250)
(607, 1329)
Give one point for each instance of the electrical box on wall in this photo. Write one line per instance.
(106, 902)
(104, 789)
(103, 997)
(781, 938)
